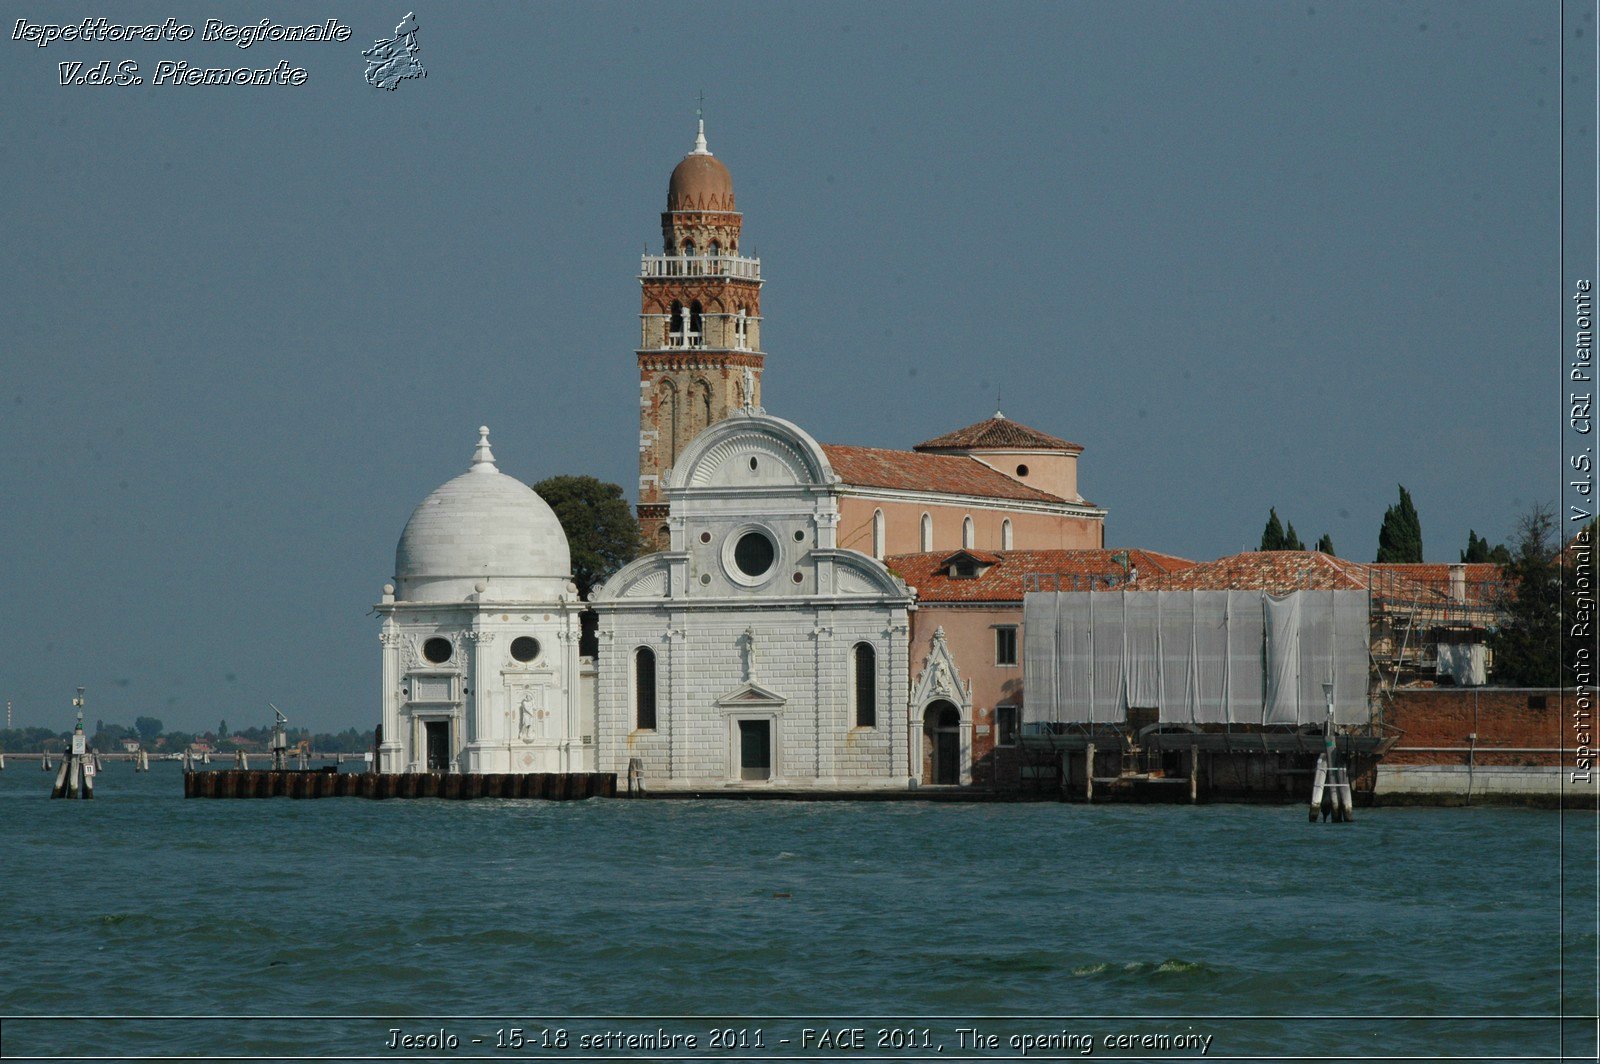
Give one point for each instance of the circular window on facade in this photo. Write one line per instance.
(799, 535)
(705, 537)
(1022, 470)
(437, 650)
(754, 554)
(524, 648)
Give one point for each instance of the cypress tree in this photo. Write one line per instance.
(1325, 545)
(1291, 541)
(1400, 537)
(1272, 535)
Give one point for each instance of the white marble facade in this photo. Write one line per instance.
(755, 652)
(480, 635)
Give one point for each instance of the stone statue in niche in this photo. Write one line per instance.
(749, 655)
(533, 720)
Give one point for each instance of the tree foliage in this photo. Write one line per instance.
(1400, 537)
(1325, 545)
(1276, 537)
(1478, 550)
(1527, 646)
(599, 523)
(1272, 535)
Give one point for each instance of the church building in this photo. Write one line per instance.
(754, 650)
(763, 642)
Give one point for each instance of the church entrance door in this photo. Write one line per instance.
(941, 744)
(438, 732)
(755, 749)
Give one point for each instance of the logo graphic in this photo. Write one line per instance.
(391, 62)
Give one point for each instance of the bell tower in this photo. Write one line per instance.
(700, 353)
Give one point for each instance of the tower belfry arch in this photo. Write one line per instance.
(700, 356)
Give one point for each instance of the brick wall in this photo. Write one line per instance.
(1509, 723)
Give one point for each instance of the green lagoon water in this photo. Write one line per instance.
(225, 927)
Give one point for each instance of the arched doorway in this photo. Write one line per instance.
(941, 743)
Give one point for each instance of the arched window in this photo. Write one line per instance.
(866, 686)
(644, 689)
(688, 247)
(969, 537)
(714, 249)
(664, 538)
(675, 325)
(927, 532)
(694, 318)
(877, 534)
(668, 425)
(1005, 534)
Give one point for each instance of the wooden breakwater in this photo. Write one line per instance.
(550, 786)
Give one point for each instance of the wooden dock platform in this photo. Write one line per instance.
(548, 786)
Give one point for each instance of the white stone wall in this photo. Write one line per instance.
(482, 689)
(801, 681)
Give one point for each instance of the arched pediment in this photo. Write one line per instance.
(647, 578)
(752, 450)
(857, 574)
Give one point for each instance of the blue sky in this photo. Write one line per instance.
(1247, 254)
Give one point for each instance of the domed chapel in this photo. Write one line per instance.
(480, 634)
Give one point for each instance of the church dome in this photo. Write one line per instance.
(701, 182)
(482, 533)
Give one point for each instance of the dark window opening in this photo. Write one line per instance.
(437, 650)
(866, 686)
(1006, 725)
(1022, 470)
(1005, 646)
(754, 554)
(524, 648)
(644, 689)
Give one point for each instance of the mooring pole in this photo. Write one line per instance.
(1088, 772)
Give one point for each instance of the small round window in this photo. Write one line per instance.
(437, 650)
(799, 535)
(1022, 470)
(754, 554)
(524, 648)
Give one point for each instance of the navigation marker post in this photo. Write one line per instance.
(76, 776)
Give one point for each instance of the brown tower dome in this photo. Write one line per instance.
(700, 182)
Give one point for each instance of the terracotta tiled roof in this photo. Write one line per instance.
(998, 431)
(1006, 579)
(1281, 571)
(1432, 579)
(950, 474)
(1274, 571)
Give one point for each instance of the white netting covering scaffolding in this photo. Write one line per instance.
(1199, 657)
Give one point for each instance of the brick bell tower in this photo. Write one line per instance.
(700, 326)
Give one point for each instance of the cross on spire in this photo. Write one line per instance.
(700, 134)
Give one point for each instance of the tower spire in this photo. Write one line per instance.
(700, 135)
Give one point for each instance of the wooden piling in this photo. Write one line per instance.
(1088, 772)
